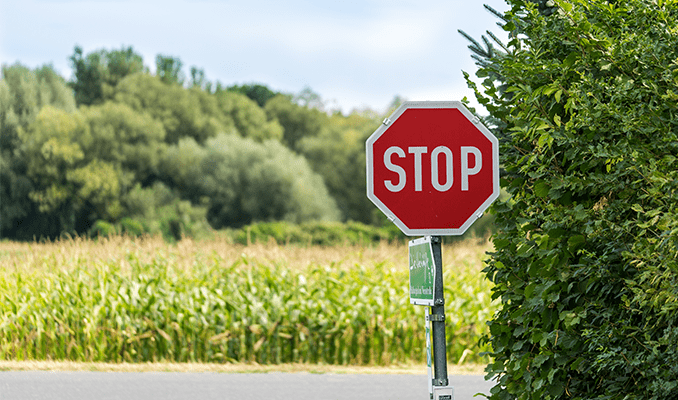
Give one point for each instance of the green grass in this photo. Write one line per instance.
(142, 300)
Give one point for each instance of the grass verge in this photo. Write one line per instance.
(235, 368)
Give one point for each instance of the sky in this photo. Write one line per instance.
(354, 54)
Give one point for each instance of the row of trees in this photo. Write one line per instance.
(119, 145)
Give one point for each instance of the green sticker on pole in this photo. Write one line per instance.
(422, 272)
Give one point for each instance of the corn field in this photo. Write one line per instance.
(143, 300)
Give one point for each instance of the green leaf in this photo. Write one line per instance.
(556, 390)
(545, 139)
(501, 243)
(539, 360)
(524, 250)
(529, 290)
(542, 125)
(541, 189)
(571, 58)
(576, 242)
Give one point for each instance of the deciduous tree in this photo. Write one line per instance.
(168, 69)
(242, 181)
(101, 70)
(338, 155)
(297, 121)
(23, 92)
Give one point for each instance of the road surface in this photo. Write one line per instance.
(57, 385)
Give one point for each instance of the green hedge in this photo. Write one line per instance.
(586, 261)
(342, 233)
(283, 233)
(316, 233)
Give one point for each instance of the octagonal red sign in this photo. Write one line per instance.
(432, 168)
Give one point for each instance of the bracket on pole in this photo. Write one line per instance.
(436, 317)
(440, 382)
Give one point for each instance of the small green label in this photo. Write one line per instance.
(422, 272)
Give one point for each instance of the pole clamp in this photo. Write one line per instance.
(440, 382)
(436, 317)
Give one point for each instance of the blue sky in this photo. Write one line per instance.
(353, 53)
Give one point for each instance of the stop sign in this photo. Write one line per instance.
(432, 168)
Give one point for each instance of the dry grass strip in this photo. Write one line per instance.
(471, 369)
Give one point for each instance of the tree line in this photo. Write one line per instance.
(120, 147)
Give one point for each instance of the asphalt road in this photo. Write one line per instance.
(34, 385)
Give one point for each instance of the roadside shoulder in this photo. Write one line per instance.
(236, 368)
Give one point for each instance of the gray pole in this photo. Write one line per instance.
(438, 317)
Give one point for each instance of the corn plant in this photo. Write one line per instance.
(136, 308)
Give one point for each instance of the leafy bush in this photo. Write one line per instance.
(157, 210)
(315, 233)
(586, 261)
(103, 228)
(337, 153)
(131, 227)
(241, 181)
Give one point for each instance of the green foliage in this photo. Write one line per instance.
(130, 140)
(198, 79)
(99, 71)
(257, 92)
(307, 98)
(315, 233)
(182, 112)
(23, 92)
(586, 260)
(242, 181)
(248, 118)
(297, 121)
(102, 229)
(160, 210)
(338, 155)
(168, 69)
(193, 112)
(81, 164)
(53, 153)
(63, 168)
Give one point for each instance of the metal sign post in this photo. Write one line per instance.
(438, 317)
(428, 353)
(426, 289)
